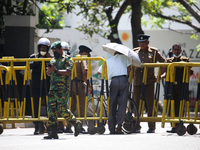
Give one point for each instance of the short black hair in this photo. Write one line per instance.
(176, 45)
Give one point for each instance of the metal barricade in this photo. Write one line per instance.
(8, 117)
(184, 111)
(141, 108)
(11, 82)
(93, 127)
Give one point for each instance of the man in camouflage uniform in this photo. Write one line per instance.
(66, 53)
(60, 69)
(147, 54)
(177, 87)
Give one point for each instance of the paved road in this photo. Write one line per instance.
(23, 139)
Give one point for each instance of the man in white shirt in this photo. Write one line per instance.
(118, 68)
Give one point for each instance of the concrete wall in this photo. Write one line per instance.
(19, 36)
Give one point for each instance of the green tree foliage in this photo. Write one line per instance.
(50, 17)
(102, 17)
(185, 12)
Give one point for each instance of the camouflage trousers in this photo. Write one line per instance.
(57, 102)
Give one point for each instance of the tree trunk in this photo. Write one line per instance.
(114, 36)
(136, 21)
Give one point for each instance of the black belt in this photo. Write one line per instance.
(119, 76)
(78, 80)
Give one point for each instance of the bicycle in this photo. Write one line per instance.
(131, 119)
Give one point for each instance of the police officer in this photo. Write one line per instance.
(66, 47)
(147, 54)
(43, 52)
(81, 69)
(176, 50)
(60, 70)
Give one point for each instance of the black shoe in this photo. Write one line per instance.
(150, 130)
(119, 130)
(171, 131)
(53, 134)
(68, 130)
(77, 128)
(37, 129)
(112, 132)
(136, 131)
(59, 130)
(42, 127)
(83, 131)
(48, 129)
(36, 132)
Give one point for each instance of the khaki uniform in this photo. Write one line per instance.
(80, 65)
(151, 55)
(178, 82)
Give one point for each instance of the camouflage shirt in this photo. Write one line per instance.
(61, 82)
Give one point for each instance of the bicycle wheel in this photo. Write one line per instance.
(90, 111)
(131, 121)
(105, 110)
(90, 108)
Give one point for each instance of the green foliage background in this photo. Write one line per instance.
(50, 17)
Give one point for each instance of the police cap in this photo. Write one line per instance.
(142, 37)
(83, 48)
(56, 44)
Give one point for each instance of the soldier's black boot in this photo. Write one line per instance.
(42, 127)
(48, 129)
(53, 134)
(37, 130)
(77, 126)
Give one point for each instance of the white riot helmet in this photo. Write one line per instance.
(65, 45)
(43, 41)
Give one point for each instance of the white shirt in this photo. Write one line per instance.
(116, 65)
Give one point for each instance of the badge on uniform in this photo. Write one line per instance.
(150, 54)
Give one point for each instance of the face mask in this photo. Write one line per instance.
(177, 56)
(56, 55)
(43, 53)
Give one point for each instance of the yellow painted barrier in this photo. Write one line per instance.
(184, 113)
(100, 118)
(141, 108)
(8, 117)
(7, 113)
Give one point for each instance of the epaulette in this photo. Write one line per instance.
(154, 48)
(184, 58)
(33, 56)
(137, 48)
